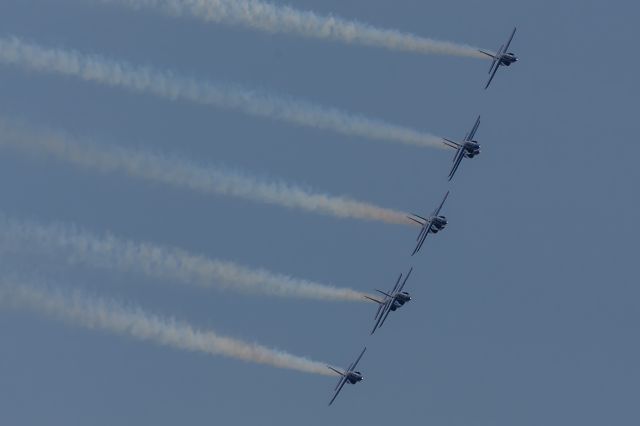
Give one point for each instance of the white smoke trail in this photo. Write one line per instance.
(115, 318)
(274, 18)
(160, 262)
(182, 174)
(164, 84)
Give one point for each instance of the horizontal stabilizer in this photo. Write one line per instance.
(450, 143)
(374, 300)
(486, 53)
(415, 220)
(337, 371)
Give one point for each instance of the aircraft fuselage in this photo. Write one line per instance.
(471, 149)
(354, 377)
(399, 300)
(438, 223)
(507, 59)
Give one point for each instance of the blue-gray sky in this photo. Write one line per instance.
(524, 309)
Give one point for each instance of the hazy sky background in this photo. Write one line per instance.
(525, 311)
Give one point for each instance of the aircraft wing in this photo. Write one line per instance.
(382, 314)
(506, 48)
(437, 211)
(492, 75)
(473, 131)
(456, 163)
(423, 236)
(341, 384)
(385, 317)
(405, 279)
(395, 287)
(353, 366)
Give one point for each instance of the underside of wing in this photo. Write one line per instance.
(420, 242)
(380, 309)
(384, 318)
(338, 389)
(381, 315)
(473, 131)
(358, 360)
(506, 47)
(395, 287)
(456, 164)
(495, 70)
(437, 212)
(405, 279)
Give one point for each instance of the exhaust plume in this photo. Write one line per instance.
(160, 262)
(272, 18)
(185, 175)
(167, 85)
(134, 322)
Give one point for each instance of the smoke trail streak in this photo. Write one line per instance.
(182, 174)
(160, 262)
(115, 318)
(274, 18)
(166, 85)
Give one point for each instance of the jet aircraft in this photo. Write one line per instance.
(501, 58)
(468, 148)
(433, 224)
(393, 300)
(349, 376)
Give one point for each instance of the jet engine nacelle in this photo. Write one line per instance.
(403, 297)
(509, 58)
(355, 377)
(440, 222)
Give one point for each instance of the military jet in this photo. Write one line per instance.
(432, 225)
(391, 302)
(467, 148)
(350, 376)
(502, 57)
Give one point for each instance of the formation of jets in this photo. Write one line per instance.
(397, 297)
